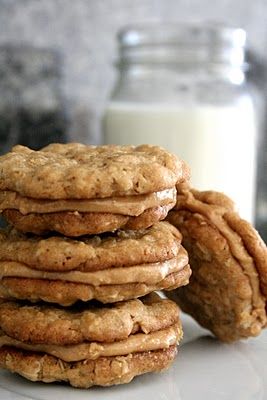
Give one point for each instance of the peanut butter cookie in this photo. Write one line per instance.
(105, 371)
(91, 345)
(228, 288)
(108, 268)
(76, 189)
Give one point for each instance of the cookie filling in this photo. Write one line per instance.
(145, 273)
(139, 342)
(127, 205)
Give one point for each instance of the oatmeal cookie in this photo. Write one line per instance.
(108, 268)
(50, 324)
(160, 242)
(76, 189)
(105, 371)
(228, 288)
(91, 344)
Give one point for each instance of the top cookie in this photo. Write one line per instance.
(77, 171)
(48, 324)
(159, 243)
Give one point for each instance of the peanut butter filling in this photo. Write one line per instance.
(146, 273)
(127, 205)
(139, 342)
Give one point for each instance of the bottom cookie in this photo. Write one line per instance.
(105, 371)
(67, 293)
(78, 223)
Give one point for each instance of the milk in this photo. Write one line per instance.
(218, 142)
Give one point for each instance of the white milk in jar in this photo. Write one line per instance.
(206, 117)
(218, 143)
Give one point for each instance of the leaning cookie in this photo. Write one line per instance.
(109, 268)
(92, 345)
(228, 288)
(76, 189)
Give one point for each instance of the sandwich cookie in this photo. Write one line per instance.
(228, 288)
(75, 189)
(91, 344)
(108, 268)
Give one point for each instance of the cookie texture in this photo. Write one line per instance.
(104, 371)
(76, 224)
(108, 268)
(76, 190)
(227, 290)
(67, 293)
(137, 343)
(158, 243)
(107, 201)
(77, 171)
(89, 344)
(46, 324)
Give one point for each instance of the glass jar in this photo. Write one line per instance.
(184, 87)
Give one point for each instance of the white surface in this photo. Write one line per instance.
(204, 369)
(217, 142)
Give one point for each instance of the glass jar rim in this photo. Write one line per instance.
(182, 43)
(186, 33)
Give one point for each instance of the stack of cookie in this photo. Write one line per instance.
(108, 202)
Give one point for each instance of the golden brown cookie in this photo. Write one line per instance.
(47, 324)
(105, 371)
(228, 288)
(78, 171)
(77, 189)
(67, 293)
(109, 268)
(76, 224)
(135, 337)
(160, 242)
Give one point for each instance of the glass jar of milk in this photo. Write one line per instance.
(183, 86)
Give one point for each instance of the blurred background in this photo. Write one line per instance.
(57, 65)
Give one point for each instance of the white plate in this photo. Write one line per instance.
(204, 369)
